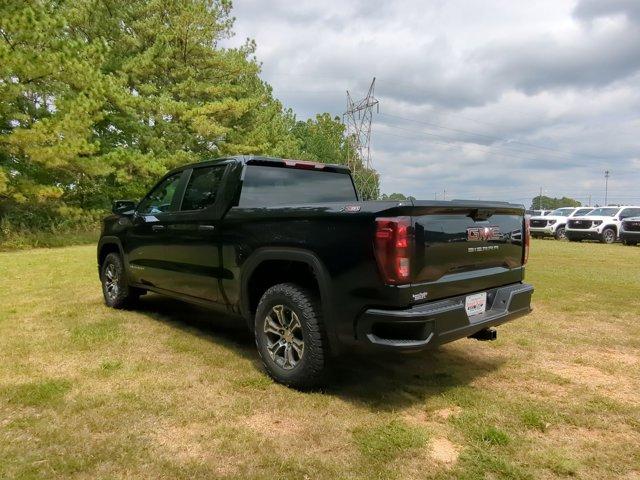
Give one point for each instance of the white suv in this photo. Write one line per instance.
(600, 224)
(553, 224)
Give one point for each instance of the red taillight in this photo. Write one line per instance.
(527, 241)
(392, 243)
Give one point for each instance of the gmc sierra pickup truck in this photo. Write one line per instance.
(287, 246)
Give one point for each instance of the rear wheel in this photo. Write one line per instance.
(116, 291)
(290, 336)
(608, 236)
(560, 233)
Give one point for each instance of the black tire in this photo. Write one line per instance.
(560, 233)
(629, 243)
(300, 368)
(608, 236)
(115, 289)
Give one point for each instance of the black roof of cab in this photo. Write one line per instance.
(272, 161)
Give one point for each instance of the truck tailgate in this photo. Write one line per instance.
(463, 247)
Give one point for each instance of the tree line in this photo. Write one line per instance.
(542, 202)
(99, 98)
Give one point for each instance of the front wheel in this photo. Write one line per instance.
(608, 235)
(290, 336)
(116, 291)
(560, 233)
(629, 243)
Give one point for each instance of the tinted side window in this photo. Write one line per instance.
(203, 188)
(282, 186)
(629, 212)
(160, 198)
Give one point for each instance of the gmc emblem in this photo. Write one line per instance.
(483, 234)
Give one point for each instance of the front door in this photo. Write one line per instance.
(192, 237)
(146, 240)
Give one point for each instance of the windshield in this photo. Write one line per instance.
(562, 212)
(603, 212)
(582, 212)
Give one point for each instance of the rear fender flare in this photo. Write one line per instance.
(293, 255)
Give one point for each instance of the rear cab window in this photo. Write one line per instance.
(271, 185)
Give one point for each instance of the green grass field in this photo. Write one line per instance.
(171, 391)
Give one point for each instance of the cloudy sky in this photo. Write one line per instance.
(483, 99)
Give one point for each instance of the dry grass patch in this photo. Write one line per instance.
(169, 391)
(444, 451)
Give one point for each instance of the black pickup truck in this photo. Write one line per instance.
(288, 246)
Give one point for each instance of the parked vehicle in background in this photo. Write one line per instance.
(536, 213)
(630, 231)
(313, 271)
(601, 224)
(553, 224)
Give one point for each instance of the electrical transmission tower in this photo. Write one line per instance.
(357, 119)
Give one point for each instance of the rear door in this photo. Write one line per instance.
(462, 247)
(192, 245)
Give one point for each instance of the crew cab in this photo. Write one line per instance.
(287, 246)
(630, 231)
(601, 224)
(554, 223)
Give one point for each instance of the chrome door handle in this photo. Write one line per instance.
(206, 228)
(157, 228)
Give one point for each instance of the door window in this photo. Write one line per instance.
(160, 198)
(203, 188)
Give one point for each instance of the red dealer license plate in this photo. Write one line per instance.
(476, 304)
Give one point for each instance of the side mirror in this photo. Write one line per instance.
(121, 207)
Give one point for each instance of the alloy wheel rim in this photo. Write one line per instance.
(608, 236)
(111, 281)
(283, 331)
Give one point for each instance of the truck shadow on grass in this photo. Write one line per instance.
(379, 381)
(389, 381)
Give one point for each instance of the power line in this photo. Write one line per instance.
(491, 150)
(489, 137)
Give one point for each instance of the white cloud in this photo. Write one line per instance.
(495, 98)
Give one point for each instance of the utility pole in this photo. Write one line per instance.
(357, 120)
(444, 194)
(589, 200)
(607, 174)
(540, 200)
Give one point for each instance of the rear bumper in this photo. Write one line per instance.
(431, 324)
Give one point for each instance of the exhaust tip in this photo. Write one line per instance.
(485, 335)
